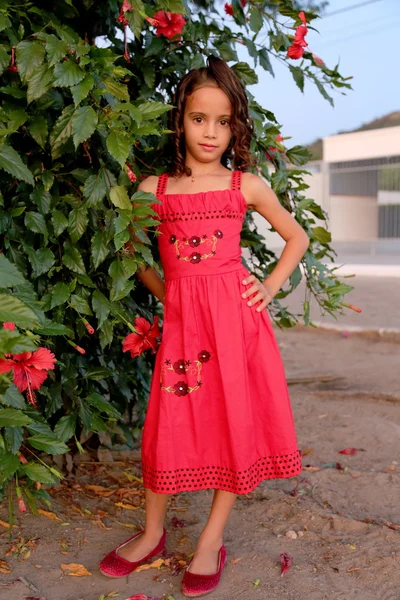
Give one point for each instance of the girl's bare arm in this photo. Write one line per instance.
(264, 200)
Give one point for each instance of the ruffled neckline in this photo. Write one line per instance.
(206, 192)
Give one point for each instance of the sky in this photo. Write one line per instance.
(364, 41)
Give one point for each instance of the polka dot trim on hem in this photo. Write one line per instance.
(223, 478)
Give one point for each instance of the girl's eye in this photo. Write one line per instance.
(222, 121)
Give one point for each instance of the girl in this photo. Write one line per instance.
(219, 414)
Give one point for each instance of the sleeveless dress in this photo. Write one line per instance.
(219, 413)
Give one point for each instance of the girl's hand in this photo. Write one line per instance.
(261, 290)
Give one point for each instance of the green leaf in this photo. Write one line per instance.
(322, 235)
(11, 162)
(61, 131)
(65, 428)
(264, 59)
(13, 397)
(82, 89)
(118, 143)
(48, 180)
(41, 260)
(67, 74)
(151, 110)
(77, 223)
(100, 248)
(9, 274)
(48, 444)
(119, 197)
(30, 55)
(246, 74)
(279, 181)
(60, 294)
(72, 259)
(14, 437)
(84, 123)
(60, 222)
(51, 328)
(9, 464)
(95, 189)
(101, 306)
(4, 59)
(80, 305)
(102, 405)
(39, 83)
(37, 127)
(35, 222)
(106, 334)
(12, 309)
(298, 76)
(56, 49)
(256, 20)
(41, 198)
(118, 90)
(97, 373)
(37, 472)
(12, 342)
(298, 155)
(11, 417)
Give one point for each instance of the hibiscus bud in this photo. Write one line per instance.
(22, 459)
(13, 67)
(76, 347)
(9, 325)
(318, 61)
(88, 326)
(152, 21)
(130, 173)
(21, 505)
(352, 307)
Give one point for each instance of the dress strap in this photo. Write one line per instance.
(162, 184)
(236, 179)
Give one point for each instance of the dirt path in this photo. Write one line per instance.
(344, 508)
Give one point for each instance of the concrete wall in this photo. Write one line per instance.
(360, 145)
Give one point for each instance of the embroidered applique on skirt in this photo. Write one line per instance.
(219, 413)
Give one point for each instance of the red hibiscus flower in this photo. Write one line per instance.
(295, 51)
(169, 24)
(145, 337)
(228, 9)
(30, 370)
(278, 138)
(8, 325)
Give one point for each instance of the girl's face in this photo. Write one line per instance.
(206, 123)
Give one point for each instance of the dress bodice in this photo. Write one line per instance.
(200, 232)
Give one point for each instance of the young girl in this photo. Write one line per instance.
(219, 414)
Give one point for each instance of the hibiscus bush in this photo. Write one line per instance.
(81, 125)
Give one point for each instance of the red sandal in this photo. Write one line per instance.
(114, 565)
(194, 584)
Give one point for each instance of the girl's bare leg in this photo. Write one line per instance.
(205, 560)
(156, 507)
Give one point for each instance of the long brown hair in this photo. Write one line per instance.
(242, 125)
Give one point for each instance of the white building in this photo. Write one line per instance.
(358, 184)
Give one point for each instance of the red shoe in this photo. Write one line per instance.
(114, 565)
(194, 585)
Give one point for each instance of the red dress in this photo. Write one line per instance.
(219, 413)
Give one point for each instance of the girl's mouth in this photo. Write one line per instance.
(207, 147)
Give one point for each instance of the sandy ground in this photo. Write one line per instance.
(344, 509)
